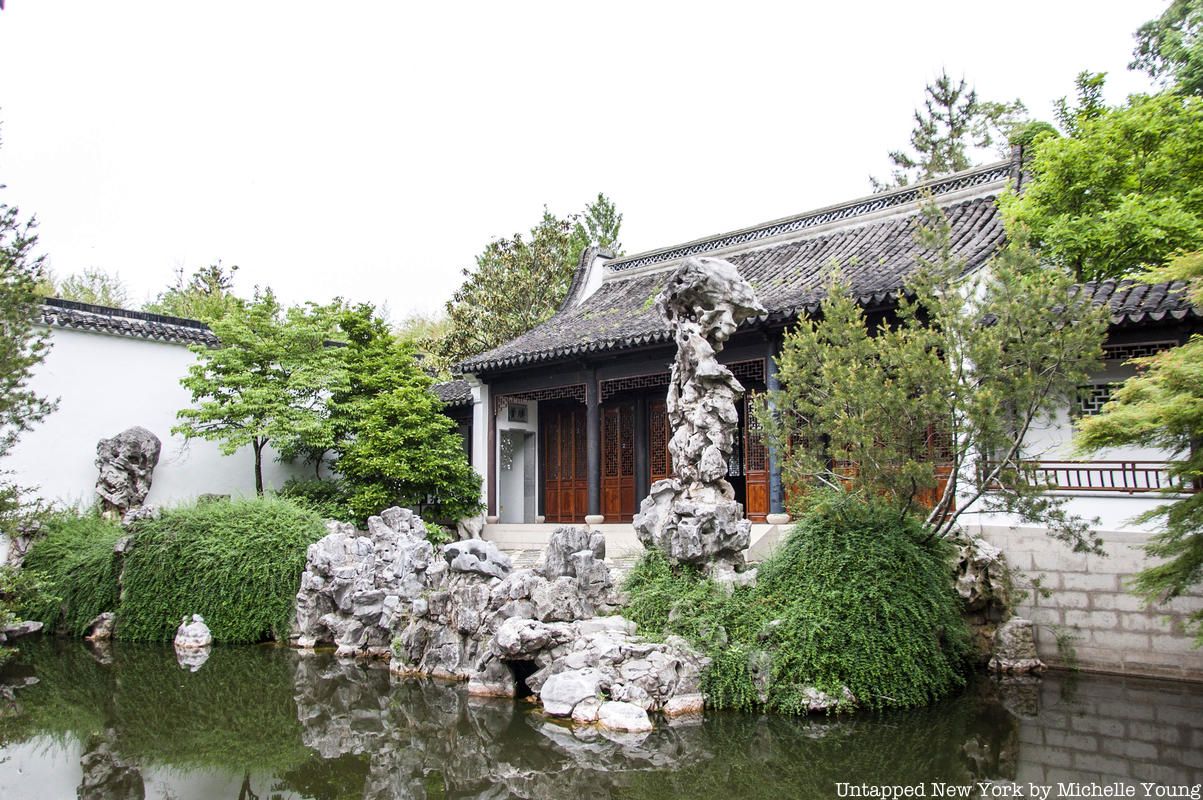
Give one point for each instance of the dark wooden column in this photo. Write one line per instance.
(641, 437)
(491, 460)
(776, 488)
(593, 442)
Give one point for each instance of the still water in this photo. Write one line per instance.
(254, 723)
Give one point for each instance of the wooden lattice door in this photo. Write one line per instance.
(756, 464)
(565, 482)
(618, 462)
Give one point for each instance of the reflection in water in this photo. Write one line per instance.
(259, 722)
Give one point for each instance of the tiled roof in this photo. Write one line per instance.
(1135, 303)
(120, 322)
(453, 393)
(875, 248)
(996, 173)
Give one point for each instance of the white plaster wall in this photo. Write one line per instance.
(510, 483)
(106, 384)
(1054, 439)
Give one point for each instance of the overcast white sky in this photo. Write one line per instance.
(370, 149)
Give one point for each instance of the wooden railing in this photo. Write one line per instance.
(1130, 477)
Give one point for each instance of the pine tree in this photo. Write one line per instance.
(952, 121)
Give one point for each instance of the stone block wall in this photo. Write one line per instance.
(1114, 630)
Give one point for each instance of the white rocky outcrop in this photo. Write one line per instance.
(463, 613)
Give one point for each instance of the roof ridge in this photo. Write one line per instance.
(860, 206)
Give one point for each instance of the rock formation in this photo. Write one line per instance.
(693, 517)
(469, 616)
(1015, 649)
(126, 463)
(193, 634)
(982, 582)
(101, 628)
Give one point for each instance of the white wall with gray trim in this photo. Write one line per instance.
(105, 384)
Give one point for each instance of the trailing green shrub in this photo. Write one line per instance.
(327, 497)
(857, 596)
(77, 568)
(237, 563)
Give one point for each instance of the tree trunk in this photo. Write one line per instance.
(258, 445)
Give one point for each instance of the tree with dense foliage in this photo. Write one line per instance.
(206, 295)
(22, 347)
(600, 225)
(521, 281)
(393, 444)
(1162, 406)
(94, 286)
(266, 382)
(1121, 190)
(425, 334)
(952, 122)
(932, 411)
(1170, 48)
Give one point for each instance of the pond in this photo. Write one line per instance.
(265, 722)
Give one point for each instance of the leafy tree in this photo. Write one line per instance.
(394, 445)
(1170, 48)
(1121, 190)
(600, 225)
(267, 380)
(520, 282)
(1089, 106)
(1162, 406)
(517, 283)
(23, 345)
(931, 411)
(952, 121)
(206, 295)
(94, 286)
(425, 334)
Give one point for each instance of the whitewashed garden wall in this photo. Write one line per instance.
(106, 383)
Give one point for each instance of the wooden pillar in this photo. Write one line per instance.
(593, 443)
(641, 439)
(776, 488)
(491, 464)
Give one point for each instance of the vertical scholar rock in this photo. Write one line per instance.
(693, 517)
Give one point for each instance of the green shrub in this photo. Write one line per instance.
(237, 563)
(327, 498)
(855, 597)
(77, 569)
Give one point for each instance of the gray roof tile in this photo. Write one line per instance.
(121, 322)
(875, 256)
(453, 393)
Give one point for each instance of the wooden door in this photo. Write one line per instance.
(565, 484)
(659, 460)
(618, 462)
(756, 464)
